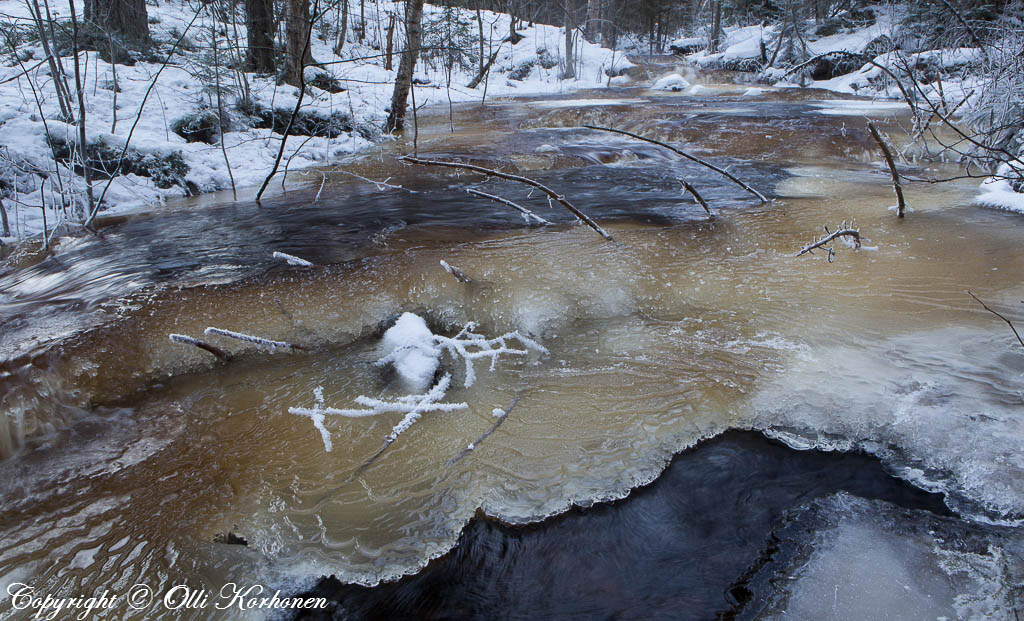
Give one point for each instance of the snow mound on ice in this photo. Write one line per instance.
(671, 82)
(409, 345)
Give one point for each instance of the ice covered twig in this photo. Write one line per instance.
(318, 416)
(257, 340)
(469, 346)
(292, 259)
(413, 406)
(523, 211)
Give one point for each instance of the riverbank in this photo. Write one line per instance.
(168, 115)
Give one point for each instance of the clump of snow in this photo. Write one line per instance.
(671, 82)
(620, 80)
(498, 413)
(998, 192)
(409, 346)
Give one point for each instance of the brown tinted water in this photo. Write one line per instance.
(126, 454)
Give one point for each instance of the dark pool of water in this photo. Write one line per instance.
(682, 547)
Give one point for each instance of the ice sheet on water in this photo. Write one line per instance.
(939, 407)
(844, 557)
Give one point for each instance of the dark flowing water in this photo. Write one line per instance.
(127, 457)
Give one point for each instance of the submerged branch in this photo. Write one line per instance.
(527, 214)
(693, 158)
(510, 177)
(188, 340)
(472, 447)
(1008, 322)
(901, 205)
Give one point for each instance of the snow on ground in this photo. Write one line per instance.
(186, 86)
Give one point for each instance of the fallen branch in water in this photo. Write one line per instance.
(456, 272)
(188, 340)
(257, 340)
(901, 204)
(693, 158)
(527, 214)
(502, 415)
(292, 259)
(1008, 322)
(696, 195)
(510, 177)
(844, 231)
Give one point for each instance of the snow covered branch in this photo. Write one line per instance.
(292, 259)
(256, 340)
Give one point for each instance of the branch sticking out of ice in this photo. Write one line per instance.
(292, 259)
(456, 272)
(498, 413)
(257, 340)
(188, 340)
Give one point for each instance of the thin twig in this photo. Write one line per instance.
(527, 214)
(844, 231)
(502, 175)
(901, 205)
(720, 171)
(188, 340)
(696, 195)
(1008, 322)
(469, 449)
(456, 272)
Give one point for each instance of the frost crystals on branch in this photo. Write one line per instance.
(845, 230)
(257, 340)
(414, 407)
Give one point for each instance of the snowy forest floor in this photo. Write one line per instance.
(169, 117)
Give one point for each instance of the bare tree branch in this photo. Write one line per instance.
(720, 171)
(188, 340)
(503, 175)
(696, 195)
(527, 214)
(1008, 322)
(901, 205)
(469, 449)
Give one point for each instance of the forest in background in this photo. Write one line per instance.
(120, 104)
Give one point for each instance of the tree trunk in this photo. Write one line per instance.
(403, 81)
(716, 25)
(297, 54)
(259, 26)
(343, 30)
(127, 18)
(391, 42)
(593, 26)
(570, 58)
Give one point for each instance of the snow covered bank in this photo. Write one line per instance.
(183, 96)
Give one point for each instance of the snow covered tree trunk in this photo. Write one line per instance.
(259, 25)
(403, 81)
(297, 32)
(127, 18)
